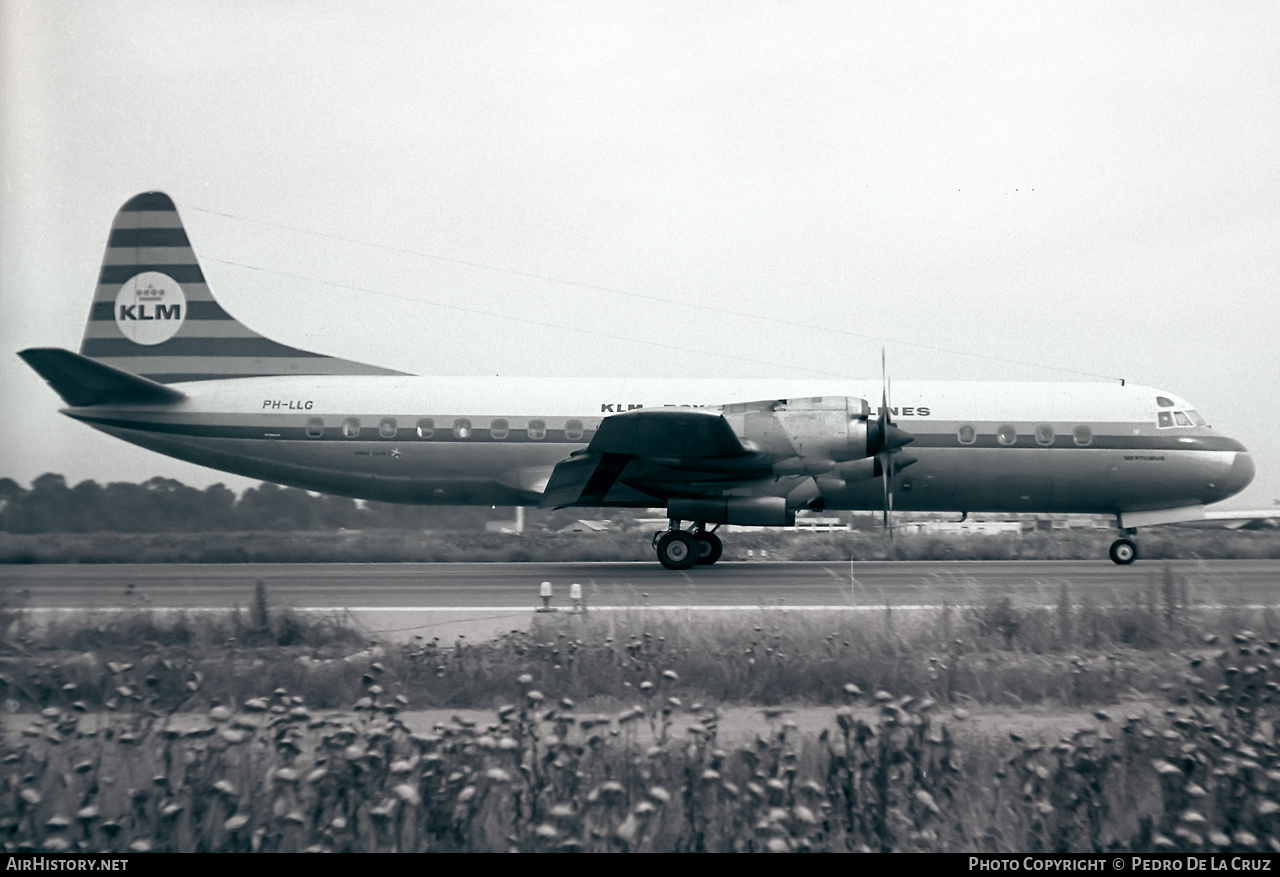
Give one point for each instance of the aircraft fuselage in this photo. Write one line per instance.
(1088, 448)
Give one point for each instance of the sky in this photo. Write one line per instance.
(987, 191)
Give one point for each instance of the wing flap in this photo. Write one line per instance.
(583, 479)
(82, 381)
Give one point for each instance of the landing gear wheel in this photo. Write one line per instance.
(1124, 551)
(709, 548)
(677, 550)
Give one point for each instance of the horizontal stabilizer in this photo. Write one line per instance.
(82, 381)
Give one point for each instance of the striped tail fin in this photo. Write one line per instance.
(153, 314)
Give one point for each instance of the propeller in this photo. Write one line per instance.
(888, 443)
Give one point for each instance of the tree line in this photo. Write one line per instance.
(164, 505)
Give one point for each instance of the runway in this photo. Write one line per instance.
(515, 585)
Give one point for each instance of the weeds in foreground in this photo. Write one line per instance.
(892, 775)
(118, 761)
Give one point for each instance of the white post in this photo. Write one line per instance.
(519, 519)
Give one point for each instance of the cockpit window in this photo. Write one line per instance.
(1164, 401)
(1169, 419)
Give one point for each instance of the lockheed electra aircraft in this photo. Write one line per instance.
(163, 366)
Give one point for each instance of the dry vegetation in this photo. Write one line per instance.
(202, 734)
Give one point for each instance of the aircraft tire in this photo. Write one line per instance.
(677, 550)
(1124, 551)
(709, 548)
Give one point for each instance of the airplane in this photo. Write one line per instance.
(164, 366)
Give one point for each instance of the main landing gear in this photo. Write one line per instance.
(685, 549)
(1124, 551)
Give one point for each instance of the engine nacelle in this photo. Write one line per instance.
(814, 429)
(759, 511)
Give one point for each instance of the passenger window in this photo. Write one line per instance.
(1182, 419)
(1044, 434)
(462, 428)
(315, 427)
(536, 430)
(387, 427)
(1083, 435)
(1006, 434)
(351, 428)
(1164, 420)
(967, 434)
(426, 428)
(499, 429)
(573, 429)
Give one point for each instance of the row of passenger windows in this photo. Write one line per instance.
(499, 428)
(1007, 434)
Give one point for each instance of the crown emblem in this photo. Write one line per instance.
(149, 293)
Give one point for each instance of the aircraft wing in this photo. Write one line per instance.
(655, 453)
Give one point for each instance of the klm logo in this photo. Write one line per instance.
(150, 308)
(160, 312)
(613, 407)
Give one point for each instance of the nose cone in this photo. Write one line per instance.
(1241, 474)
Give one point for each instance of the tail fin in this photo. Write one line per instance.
(153, 314)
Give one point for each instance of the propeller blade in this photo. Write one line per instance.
(889, 514)
(884, 389)
(885, 462)
(884, 522)
(883, 458)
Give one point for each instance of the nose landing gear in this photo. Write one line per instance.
(680, 549)
(1124, 550)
